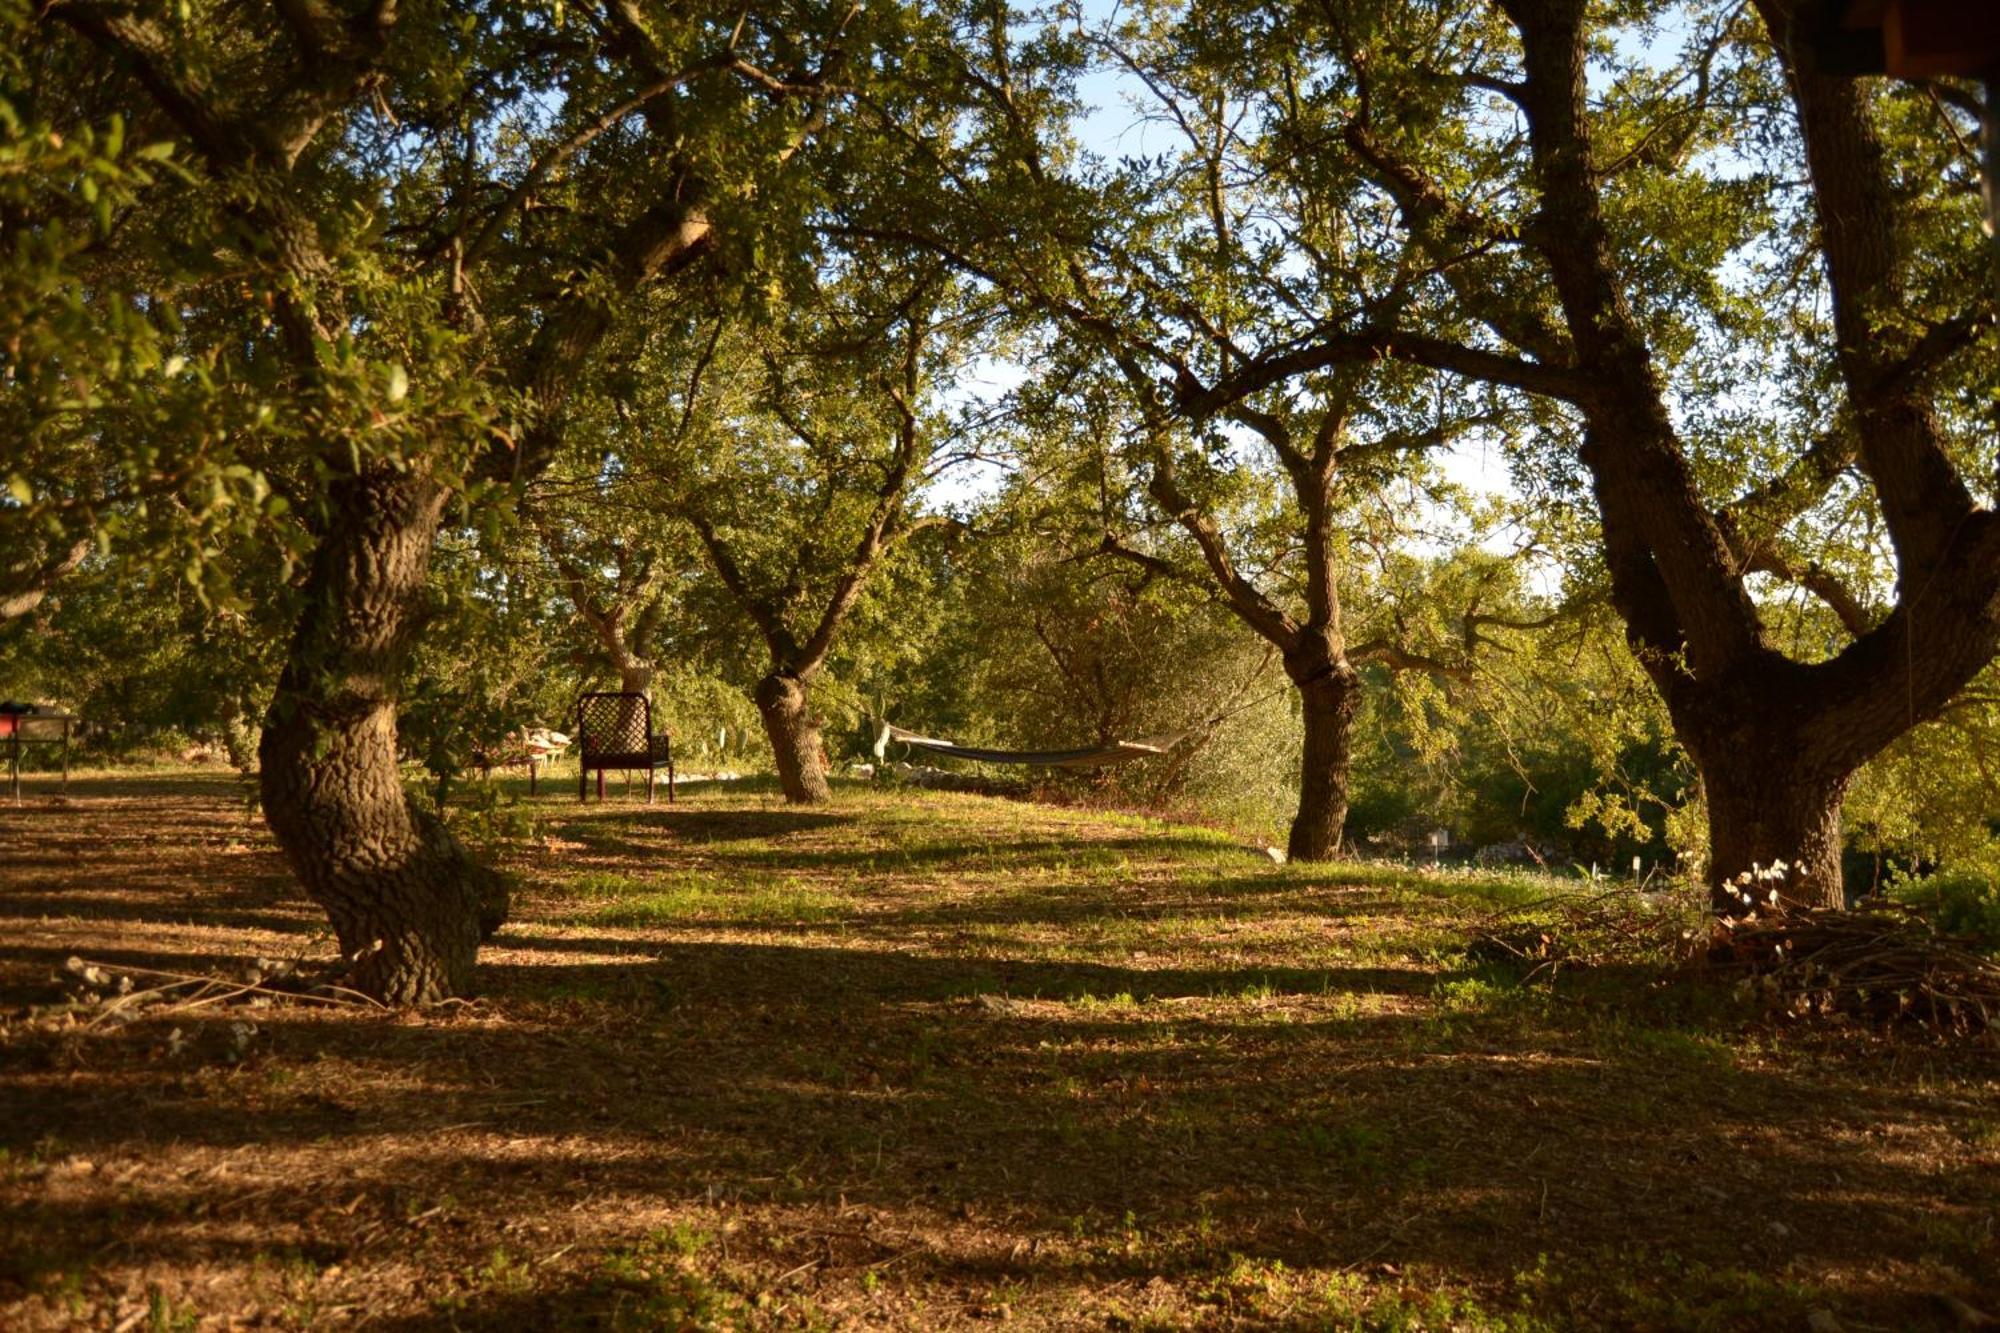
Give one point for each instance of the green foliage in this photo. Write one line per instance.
(1933, 797)
(121, 424)
(713, 724)
(483, 672)
(182, 403)
(1959, 902)
(1056, 652)
(143, 661)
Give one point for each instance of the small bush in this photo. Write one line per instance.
(1958, 902)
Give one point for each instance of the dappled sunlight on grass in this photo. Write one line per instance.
(935, 1060)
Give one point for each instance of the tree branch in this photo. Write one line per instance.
(1255, 609)
(1417, 349)
(1397, 658)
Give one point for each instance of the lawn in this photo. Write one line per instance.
(930, 1061)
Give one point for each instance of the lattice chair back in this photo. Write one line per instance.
(614, 726)
(615, 731)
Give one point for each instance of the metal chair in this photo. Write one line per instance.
(616, 731)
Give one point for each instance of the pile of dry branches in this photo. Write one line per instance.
(1880, 963)
(103, 996)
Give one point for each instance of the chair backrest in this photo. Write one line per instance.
(614, 724)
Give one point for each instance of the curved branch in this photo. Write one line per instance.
(1473, 363)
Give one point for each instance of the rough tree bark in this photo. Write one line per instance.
(1764, 817)
(1331, 694)
(789, 722)
(1309, 440)
(405, 900)
(1772, 782)
(1776, 740)
(635, 675)
(27, 578)
(623, 610)
(407, 903)
(1314, 653)
(782, 694)
(1317, 656)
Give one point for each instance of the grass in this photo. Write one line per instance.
(752, 898)
(931, 1061)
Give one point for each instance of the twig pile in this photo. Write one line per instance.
(1880, 963)
(108, 995)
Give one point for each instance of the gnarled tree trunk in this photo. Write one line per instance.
(635, 675)
(26, 579)
(408, 904)
(1761, 813)
(795, 741)
(1773, 775)
(1331, 695)
(1776, 740)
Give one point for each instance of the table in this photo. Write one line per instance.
(20, 725)
(531, 747)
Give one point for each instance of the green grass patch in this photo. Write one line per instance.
(695, 896)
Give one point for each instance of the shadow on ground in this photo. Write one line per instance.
(817, 1109)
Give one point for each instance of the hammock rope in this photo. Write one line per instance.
(1095, 756)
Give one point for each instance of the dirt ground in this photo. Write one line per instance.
(931, 1061)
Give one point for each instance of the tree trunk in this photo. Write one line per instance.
(407, 903)
(1331, 696)
(1765, 806)
(795, 742)
(635, 676)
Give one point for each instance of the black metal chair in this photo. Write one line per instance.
(616, 731)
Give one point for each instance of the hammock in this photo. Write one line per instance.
(1117, 752)
(1097, 756)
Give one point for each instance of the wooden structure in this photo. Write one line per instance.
(615, 731)
(531, 747)
(1909, 39)
(1921, 39)
(25, 724)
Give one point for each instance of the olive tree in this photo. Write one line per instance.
(797, 448)
(1746, 299)
(1197, 275)
(430, 218)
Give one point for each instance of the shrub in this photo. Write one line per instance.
(1959, 902)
